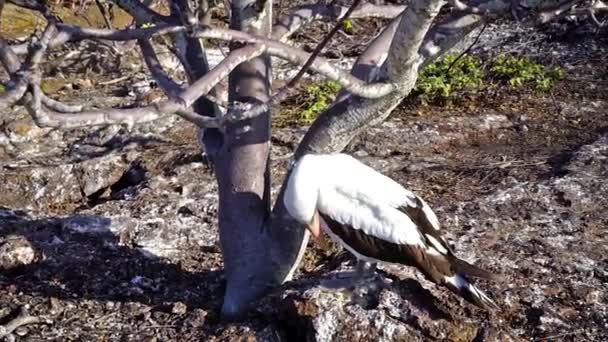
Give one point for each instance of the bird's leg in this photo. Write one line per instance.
(367, 281)
(362, 279)
(365, 270)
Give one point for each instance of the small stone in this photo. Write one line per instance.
(16, 251)
(179, 308)
(197, 318)
(21, 331)
(82, 84)
(56, 307)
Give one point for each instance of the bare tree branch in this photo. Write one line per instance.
(9, 60)
(49, 118)
(59, 106)
(69, 33)
(294, 55)
(274, 48)
(104, 14)
(131, 116)
(13, 94)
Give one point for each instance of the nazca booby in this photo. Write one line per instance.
(377, 219)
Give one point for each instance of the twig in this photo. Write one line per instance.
(467, 49)
(114, 81)
(104, 14)
(570, 333)
(166, 326)
(60, 106)
(594, 18)
(317, 50)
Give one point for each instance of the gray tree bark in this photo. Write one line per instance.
(242, 170)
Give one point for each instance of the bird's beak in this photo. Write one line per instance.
(314, 226)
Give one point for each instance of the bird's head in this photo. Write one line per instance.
(302, 192)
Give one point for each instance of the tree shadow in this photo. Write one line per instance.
(85, 257)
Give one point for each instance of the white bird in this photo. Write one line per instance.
(377, 219)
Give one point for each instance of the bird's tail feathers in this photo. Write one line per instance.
(460, 285)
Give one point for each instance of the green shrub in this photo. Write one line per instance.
(519, 71)
(444, 77)
(320, 96)
(348, 26)
(2, 89)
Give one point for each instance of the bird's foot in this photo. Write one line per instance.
(340, 280)
(369, 285)
(362, 280)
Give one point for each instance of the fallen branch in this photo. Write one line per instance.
(21, 320)
(59, 106)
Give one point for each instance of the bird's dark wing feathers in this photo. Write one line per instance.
(456, 265)
(421, 220)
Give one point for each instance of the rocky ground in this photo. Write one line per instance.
(111, 233)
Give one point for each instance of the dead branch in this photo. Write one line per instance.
(278, 49)
(181, 99)
(462, 7)
(21, 320)
(58, 105)
(271, 47)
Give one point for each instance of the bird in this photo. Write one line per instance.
(377, 220)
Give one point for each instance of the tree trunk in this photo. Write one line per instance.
(242, 171)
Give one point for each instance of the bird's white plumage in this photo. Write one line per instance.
(354, 194)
